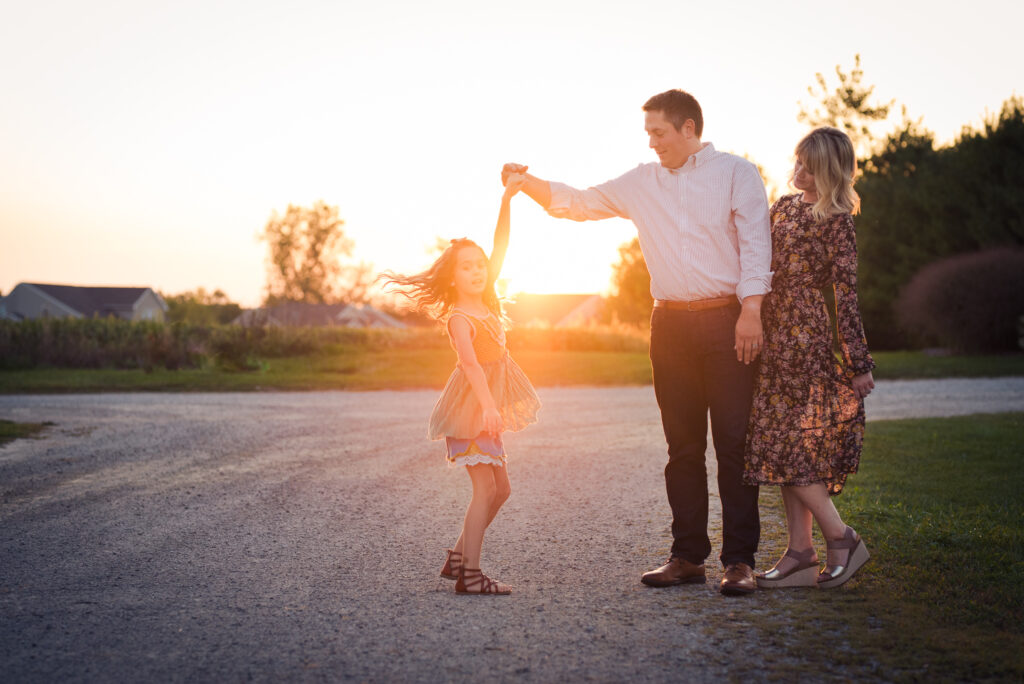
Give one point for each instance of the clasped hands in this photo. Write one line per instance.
(513, 176)
(512, 169)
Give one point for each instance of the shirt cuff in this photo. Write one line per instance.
(561, 200)
(757, 285)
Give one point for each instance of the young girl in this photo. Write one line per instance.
(487, 392)
(807, 420)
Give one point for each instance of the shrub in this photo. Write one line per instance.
(970, 302)
(115, 343)
(95, 343)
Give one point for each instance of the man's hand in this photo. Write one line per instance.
(749, 333)
(510, 169)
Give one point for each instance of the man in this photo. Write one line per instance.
(702, 218)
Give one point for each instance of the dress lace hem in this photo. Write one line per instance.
(476, 459)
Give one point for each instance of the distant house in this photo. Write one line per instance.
(291, 314)
(39, 300)
(555, 310)
(304, 314)
(366, 316)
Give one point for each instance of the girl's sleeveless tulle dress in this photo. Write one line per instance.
(458, 414)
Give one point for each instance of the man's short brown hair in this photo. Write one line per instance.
(678, 106)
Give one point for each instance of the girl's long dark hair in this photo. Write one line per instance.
(433, 291)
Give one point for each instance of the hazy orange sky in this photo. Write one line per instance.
(146, 143)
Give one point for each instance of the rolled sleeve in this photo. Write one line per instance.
(598, 202)
(753, 232)
(758, 285)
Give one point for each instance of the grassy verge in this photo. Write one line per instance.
(10, 431)
(362, 367)
(938, 503)
(351, 369)
(908, 365)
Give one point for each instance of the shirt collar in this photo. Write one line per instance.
(707, 151)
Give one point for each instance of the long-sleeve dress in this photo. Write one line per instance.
(806, 422)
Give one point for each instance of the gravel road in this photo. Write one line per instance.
(279, 536)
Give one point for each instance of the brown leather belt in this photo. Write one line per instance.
(696, 304)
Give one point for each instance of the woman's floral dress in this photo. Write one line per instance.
(806, 422)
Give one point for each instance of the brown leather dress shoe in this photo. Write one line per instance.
(738, 580)
(676, 571)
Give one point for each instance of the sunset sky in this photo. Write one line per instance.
(146, 143)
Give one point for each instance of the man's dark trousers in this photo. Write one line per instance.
(695, 370)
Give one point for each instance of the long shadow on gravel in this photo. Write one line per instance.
(227, 537)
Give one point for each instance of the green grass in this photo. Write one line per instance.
(364, 367)
(939, 504)
(10, 431)
(913, 365)
(347, 369)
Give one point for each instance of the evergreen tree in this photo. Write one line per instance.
(921, 204)
(847, 108)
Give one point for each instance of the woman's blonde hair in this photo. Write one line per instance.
(828, 154)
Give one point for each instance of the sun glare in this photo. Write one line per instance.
(553, 256)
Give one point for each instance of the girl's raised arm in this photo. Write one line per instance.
(504, 227)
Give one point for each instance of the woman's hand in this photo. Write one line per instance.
(863, 384)
(513, 185)
(493, 423)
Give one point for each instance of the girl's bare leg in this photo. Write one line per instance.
(477, 514)
(502, 490)
(799, 523)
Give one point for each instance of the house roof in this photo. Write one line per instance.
(545, 309)
(364, 315)
(96, 301)
(587, 311)
(305, 314)
(302, 313)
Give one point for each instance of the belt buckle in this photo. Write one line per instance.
(690, 307)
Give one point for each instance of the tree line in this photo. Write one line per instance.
(921, 204)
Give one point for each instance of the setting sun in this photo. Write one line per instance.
(561, 257)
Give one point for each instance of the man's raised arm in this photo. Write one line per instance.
(561, 201)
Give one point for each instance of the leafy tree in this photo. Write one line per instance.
(920, 203)
(200, 307)
(847, 108)
(630, 301)
(306, 246)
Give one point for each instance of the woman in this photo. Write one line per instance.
(807, 420)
